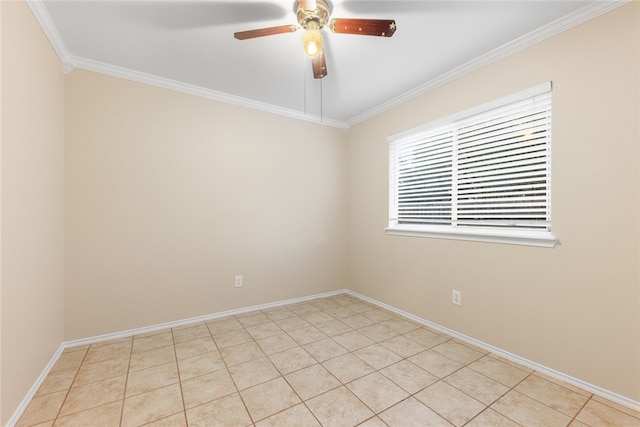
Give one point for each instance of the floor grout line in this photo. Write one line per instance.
(313, 317)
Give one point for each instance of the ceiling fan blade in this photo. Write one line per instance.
(366, 27)
(251, 34)
(319, 65)
(308, 5)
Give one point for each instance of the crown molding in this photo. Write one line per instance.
(153, 80)
(578, 17)
(69, 62)
(44, 19)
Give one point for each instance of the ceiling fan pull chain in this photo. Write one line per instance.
(320, 100)
(304, 83)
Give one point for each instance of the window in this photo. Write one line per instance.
(483, 174)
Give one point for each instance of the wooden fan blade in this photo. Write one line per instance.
(366, 27)
(308, 5)
(319, 65)
(251, 34)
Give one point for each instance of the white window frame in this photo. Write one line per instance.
(534, 235)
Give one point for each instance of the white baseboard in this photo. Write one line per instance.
(599, 391)
(34, 388)
(130, 332)
(198, 319)
(594, 389)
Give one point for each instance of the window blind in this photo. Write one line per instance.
(490, 169)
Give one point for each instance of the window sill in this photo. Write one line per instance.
(526, 238)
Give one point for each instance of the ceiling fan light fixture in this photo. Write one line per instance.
(313, 16)
(312, 42)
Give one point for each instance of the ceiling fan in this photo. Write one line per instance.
(313, 16)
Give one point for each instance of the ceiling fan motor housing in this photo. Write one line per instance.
(312, 16)
(313, 19)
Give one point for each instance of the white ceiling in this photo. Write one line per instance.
(189, 46)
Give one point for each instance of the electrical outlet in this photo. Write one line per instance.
(238, 282)
(456, 297)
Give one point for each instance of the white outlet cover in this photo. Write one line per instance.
(456, 297)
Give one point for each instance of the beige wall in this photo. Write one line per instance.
(169, 196)
(2, 416)
(574, 308)
(32, 195)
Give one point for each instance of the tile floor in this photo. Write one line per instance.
(335, 361)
